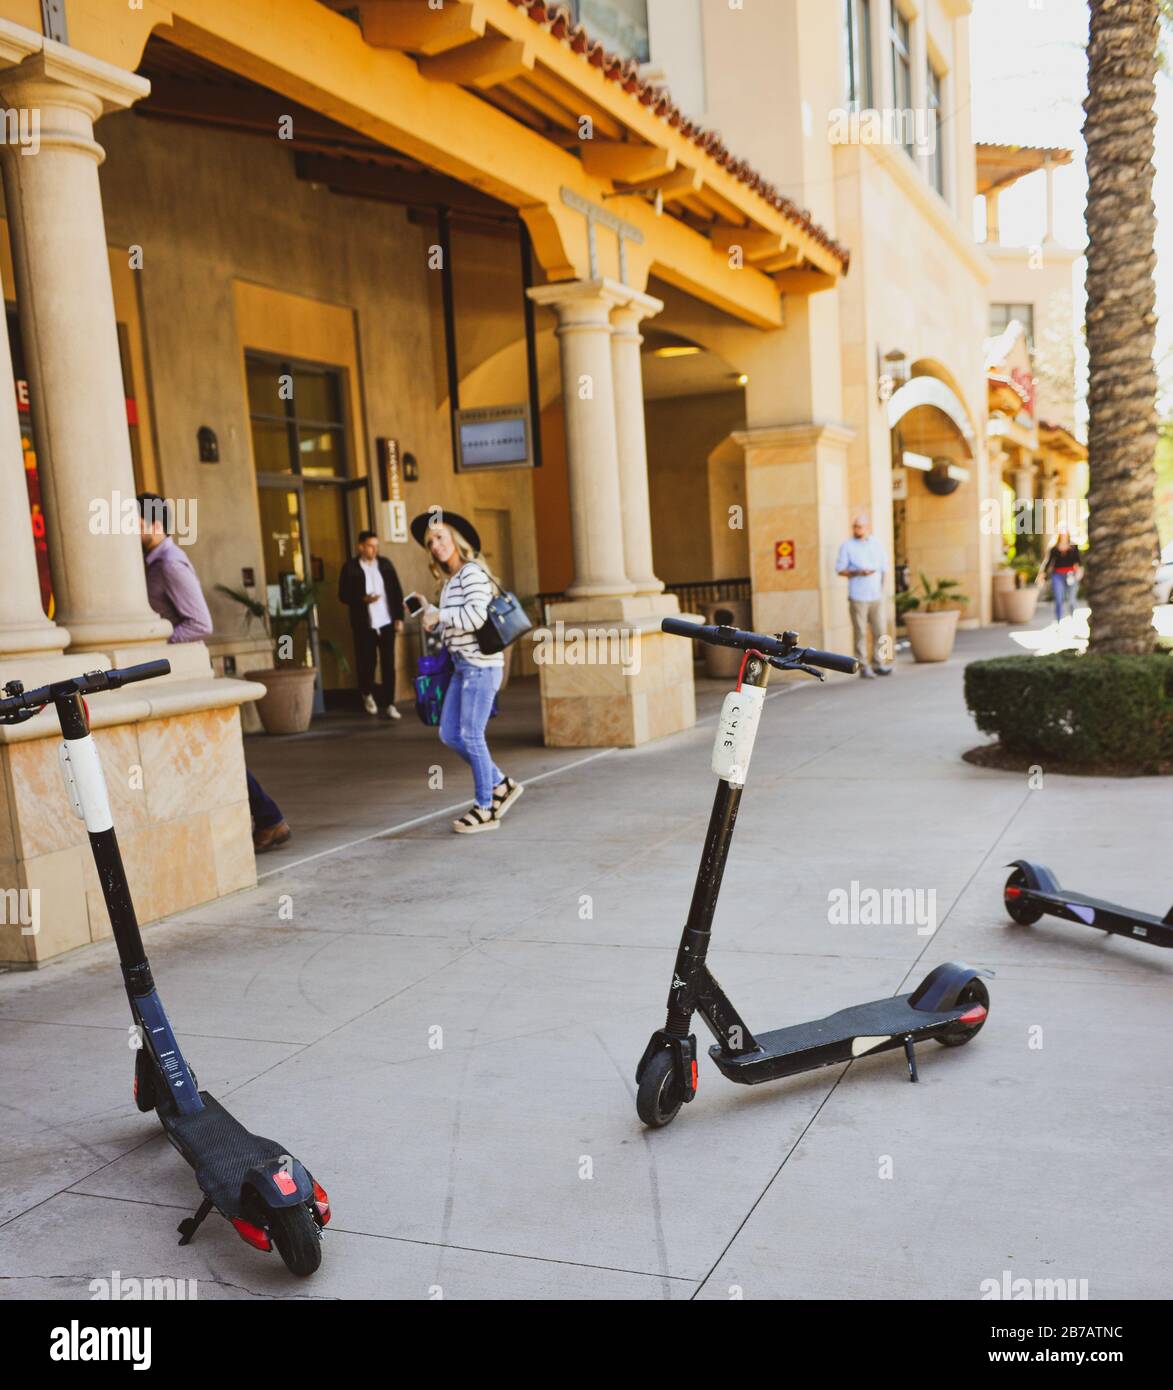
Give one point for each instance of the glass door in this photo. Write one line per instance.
(311, 508)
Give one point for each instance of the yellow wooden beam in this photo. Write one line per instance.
(804, 281)
(483, 63)
(410, 24)
(756, 243)
(311, 55)
(624, 161)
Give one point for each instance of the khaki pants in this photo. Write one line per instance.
(865, 614)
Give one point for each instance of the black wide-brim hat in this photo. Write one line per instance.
(419, 526)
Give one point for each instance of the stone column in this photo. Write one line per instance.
(23, 626)
(632, 439)
(798, 516)
(71, 343)
(596, 514)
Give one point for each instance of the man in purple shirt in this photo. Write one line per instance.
(173, 587)
(173, 591)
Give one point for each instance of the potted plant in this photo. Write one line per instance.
(930, 617)
(288, 703)
(1019, 603)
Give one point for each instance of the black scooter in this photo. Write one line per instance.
(269, 1197)
(1032, 891)
(950, 1004)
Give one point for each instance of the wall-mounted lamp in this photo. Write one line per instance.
(893, 373)
(208, 444)
(411, 469)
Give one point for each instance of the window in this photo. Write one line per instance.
(902, 69)
(937, 153)
(858, 47)
(621, 25)
(1001, 315)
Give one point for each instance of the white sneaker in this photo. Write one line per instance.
(368, 703)
(391, 713)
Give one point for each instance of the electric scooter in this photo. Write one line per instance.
(949, 1005)
(1032, 891)
(268, 1197)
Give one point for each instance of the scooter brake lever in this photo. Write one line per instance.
(783, 665)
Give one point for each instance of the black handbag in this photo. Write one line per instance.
(506, 622)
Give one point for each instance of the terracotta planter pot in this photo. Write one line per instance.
(931, 635)
(288, 703)
(1003, 584)
(1019, 605)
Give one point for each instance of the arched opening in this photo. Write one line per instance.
(933, 479)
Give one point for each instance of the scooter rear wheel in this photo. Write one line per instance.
(296, 1236)
(1026, 914)
(974, 993)
(658, 1098)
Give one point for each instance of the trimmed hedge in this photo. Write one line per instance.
(1102, 710)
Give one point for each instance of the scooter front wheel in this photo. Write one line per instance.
(658, 1098)
(298, 1241)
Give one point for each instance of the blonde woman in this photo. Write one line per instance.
(454, 547)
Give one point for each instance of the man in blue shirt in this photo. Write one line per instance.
(863, 563)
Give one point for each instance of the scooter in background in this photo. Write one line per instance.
(1032, 892)
(269, 1197)
(949, 1005)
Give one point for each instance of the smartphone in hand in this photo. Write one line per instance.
(414, 604)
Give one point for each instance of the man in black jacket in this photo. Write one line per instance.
(370, 588)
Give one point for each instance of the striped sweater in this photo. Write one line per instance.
(464, 607)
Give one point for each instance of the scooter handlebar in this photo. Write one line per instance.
(127, 675)
(19, 704)
(785, 648)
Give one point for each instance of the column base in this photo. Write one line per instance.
(613, 685)
(101, 636)
(185, 834)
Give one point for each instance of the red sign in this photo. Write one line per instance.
(784, 555)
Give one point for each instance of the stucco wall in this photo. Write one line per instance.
(682, 432)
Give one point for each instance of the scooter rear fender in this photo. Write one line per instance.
(940, 988)
(279, 1182)
(1037, 876)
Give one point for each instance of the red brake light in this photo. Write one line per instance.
(322, 1202)
(251, 1234)
(284, 1182)
(1013, 891)
(974, 1015)
(694, 1076)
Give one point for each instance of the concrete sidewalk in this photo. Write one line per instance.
(508, 1162)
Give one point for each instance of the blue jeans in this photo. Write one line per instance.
(463, 716)
(1063, 594)
(265, 811)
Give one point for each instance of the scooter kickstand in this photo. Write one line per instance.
(191, 1224)
(910, 1054)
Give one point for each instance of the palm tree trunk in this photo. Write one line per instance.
(1121, 322)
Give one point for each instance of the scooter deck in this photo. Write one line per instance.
(1104, 916)
(858, 1031)
(220, 1150)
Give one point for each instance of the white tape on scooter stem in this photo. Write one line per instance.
(736, 730)
(81, 765)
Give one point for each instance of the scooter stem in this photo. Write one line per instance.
(737, 727)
